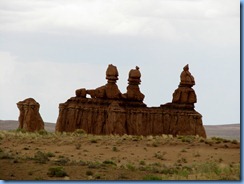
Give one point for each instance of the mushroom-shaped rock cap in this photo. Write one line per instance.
(28, 101)
(135, 73)
(186, 77)
(112, 72)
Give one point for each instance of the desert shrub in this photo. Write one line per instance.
(151, 177)
(155, 144)
(130, 167)
(89, 173)
(38, 178)
(184, 172)
(77, 146)
(57, 172)
(123, 176)
(197, 154)
(234, 142)
(50, 154)
(182, 160)
(160, 156)
(20, 130)
(97, 176)
(79, 132)
(94, 165)
(201, 140)
(115, 148)
(188, 139)
(41, 157)
(219, 140)
(4, 155)
(209, 167)
(109, 162)
(62, 160)
(93, 141)
(169, 171)
(142, 162)
(42, 132)
(209, 142)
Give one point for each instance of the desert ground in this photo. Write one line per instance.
(79, 156)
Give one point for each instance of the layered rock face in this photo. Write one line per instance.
(29, 117)
(110, 112)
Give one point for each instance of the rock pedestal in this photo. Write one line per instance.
(133, 90)
(30, 119)
(109, 112)
(110, 90)
(184, 96)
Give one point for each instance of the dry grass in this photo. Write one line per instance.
(80, 156)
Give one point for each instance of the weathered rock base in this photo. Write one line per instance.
(98, 116)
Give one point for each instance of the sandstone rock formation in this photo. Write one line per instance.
(110, 112)
(184, 96)
(110, 90)
(29, 117)
(133, 90)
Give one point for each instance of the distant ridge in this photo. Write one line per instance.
(228, 131)
(13, 125)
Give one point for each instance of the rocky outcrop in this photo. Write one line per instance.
(29, 118)
(110, 112)
(184, 96)
(133, 90)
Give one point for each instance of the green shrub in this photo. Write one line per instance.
(89, 173)
(41, 157)
(20, 130)
(151, 177)
(188, 139)
(50, 154)
(57, 172)
(142, 162)
(93, 141)
(79, 132)
(109, 162)
(62, 160)
(115, 148)
(42, 132)
(131, 167)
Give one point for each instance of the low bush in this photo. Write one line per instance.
(40, 157)
(56, 172)
(151, 177)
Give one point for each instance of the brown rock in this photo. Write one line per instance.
(109, 112)
(110, 90)
(81, 92)
(112, 73)
(186, 79)
(30, 118)
(184, 96)
(133, 90)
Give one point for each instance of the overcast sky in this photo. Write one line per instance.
(48, 49)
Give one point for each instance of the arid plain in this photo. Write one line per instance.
(80, 156)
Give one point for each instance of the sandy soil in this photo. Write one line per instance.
(25, 156)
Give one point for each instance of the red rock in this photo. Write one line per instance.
(133, 91)
(109, 112)
(30, 118)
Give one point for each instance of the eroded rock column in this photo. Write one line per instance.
(30, 118)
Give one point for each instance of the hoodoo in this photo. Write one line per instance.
(108, 111)
(29, 118)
